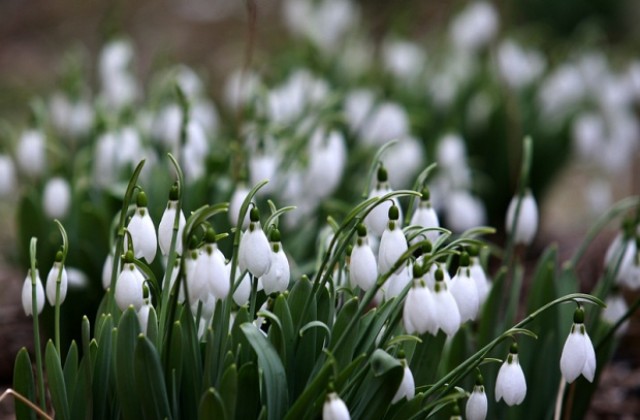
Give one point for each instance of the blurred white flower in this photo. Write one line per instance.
(387, 121)
(475, 26)
(27, 294)
(404, 60)
(527, 224)
(56, 198)
(327, 161)
(241, 87)
(7, 176)
(334, 408)
(31, 154)
(240, 193)
(376, 220)
(517, 66)
(616, 308)
(403, 161)
(358, 105)
(464, 211)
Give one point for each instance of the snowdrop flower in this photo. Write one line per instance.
(165, 228)
(403, 59)
(27, 294)
(616, 308)
(376, 220)
(240, 88)
(174, 276)
(142, 230)
(263, 165)
(104, 167)
(464, 211)
(362, 264)
(107, 270)
(130, 285)
(396, 282)
(464, 291)
(418, 314)
(628, 273)
(277, 277)
(510, 383)
(210, 272)
(327, 161)
(254, 252)
(430, 276)
(334, 408)
(578, 356)
(477, 403)
(243, 290)
(143, 317)
(475, 26)
(357, 106)
(30, 154)
(426, 217)
(235, 203)
(518, 67)
(52, 281)
(446, 310)
(196, 290)
(407, 388)
(527, 224)
(392, 244)
(403, 160)
(56, 198)
(388, 121)
(479, 276)
(76, 278)
(7, 176)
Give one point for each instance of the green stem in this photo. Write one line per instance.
(36, 326)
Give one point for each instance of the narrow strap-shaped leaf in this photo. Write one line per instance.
(275, 377)
(23, 384)
(102, 369)
(229, 390)
(211, 406)
(344, 354)
(128, 330)
(150, 384)
(70, 369)
(57, 386)
(248, 406)
(317, 388)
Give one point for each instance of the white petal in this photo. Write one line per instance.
(27, 303)
(407, 388)
(143, 235)
(129, 288)
(589, 369)
(377, 219)
(574, 355)
(464, 291)
(143, 317)
(511, 384)
(392, 245)
(426, 217)
(363, 267)
(396, 283)
(211, 275)
(276, 279)
(52, 279)
(447, 313)
(420, 305)
(477, 404)
(527, 224)
(107, 269)
(243, 291)
(235, 203)
(335, 409)
(165, 229)
(255, 252)
(56, 198)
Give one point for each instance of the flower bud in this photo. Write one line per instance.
(334, 408)
(57, 198)
(142, 230)
(165, 228)
(578, 356)
(254, 252)
(27, 302)
(511, 384)
(527, 224)
(407, 388)
(52, 281)
(477, 403)
(129, 290)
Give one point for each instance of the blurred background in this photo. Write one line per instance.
(460, 84)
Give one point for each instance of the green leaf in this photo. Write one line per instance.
(150, 384)
(426, 358)
(281, 310)
(303, 407)
(229, 390)
(57, 386)
(174, 367)
(211, 405)
(344, 354)
(490, 324)
(71, 368)
(380, 385)
(80, 406)
(128, 331)
(274, 375)
(192, 369)
(24, 384)
(248, 406)
(102, 369)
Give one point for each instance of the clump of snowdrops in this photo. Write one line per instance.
(377, 328)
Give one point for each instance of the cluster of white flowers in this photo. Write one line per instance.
(58, 271)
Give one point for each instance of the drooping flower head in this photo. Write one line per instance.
(254, 251)
(407, 388)
(464, 291)
(362, 263)
(477, 404)
(56, 271)
(419, 307)
(425, 216)
(276, 279)
(527, 223)
(165, 228)
(376, 220)
(334, 408)
(578, 356)
(447, 313)
(392, 244)
(27, 294)
(210, 273)
(129, 286)
(142, 230)
(510, 383)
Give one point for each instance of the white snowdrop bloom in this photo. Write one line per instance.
(451, 152)
(115, 57)
(143, 317)
(396, 282)
(407, 388)
(7, 176)
(52, 279)
(27, 294)
(196, 288)
(129, 147)
(599, 196)
(254, 252)
(616, 308)
(443, 89)
(510, 383)
(425, 216)
(167, 125)
(376, 220)
(588, 132)
(240, 193)
(418, 314)
(475, 26)
(333, 19)
(403, 161)
(241, 87)
(56, 198)
(142, 230)
(464, 291)
(327, 161)
(430, 276)
(560, 92)
(357, 106)
(243, 290)
(477, 404)
(479, 277)
(277, 277)
(205, 113)
(82, 118)
(165, 228)
(518, 67)
(104, 158)
(174, 276)
(210, 269)
(578, 356)
(60, 112)
(263, 166)
(404, 60)
(447, 314)
(362, 264)
(392, 244)
(31, 154)
(527, 224)
(129, 286)
(107, 270)
(76, 278)
(464, 211)
(386, 122)
(334, 408)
